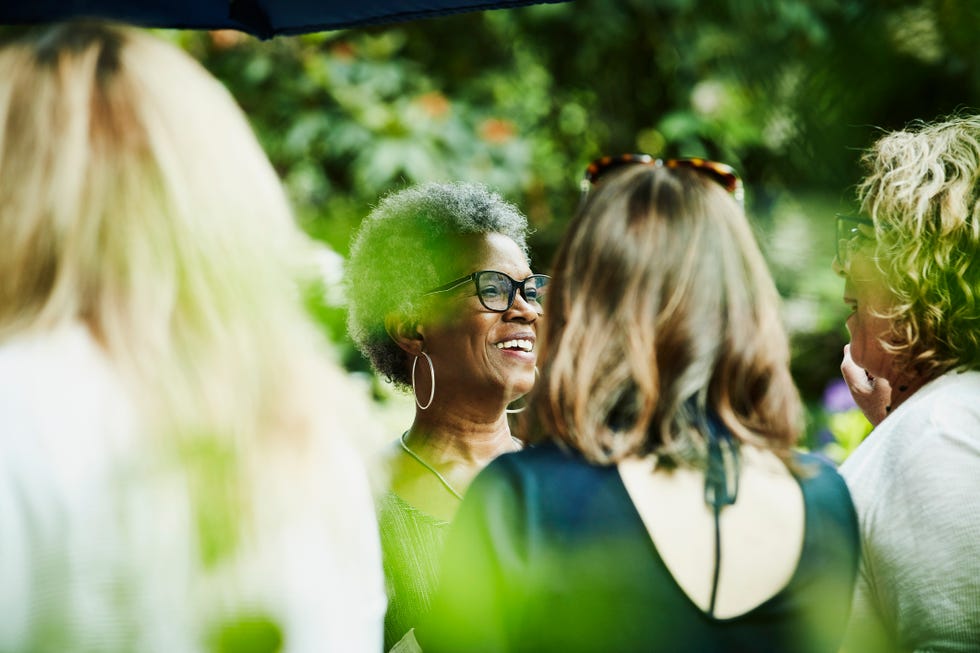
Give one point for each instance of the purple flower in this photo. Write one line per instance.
(837, 397)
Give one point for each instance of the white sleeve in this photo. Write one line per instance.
(15, 553)
(317, 566)
(31, 521)
(866, 631)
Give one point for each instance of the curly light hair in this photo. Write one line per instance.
(922, 192)
(413, 241)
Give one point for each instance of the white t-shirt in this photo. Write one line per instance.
(915, 482)
(100, 552)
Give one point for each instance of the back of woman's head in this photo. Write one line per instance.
(922, 189)
(134, 199)
(661, 308)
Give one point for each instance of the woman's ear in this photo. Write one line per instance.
(405, 332)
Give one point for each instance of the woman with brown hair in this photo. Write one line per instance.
(665, 509)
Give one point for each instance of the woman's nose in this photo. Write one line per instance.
(521, 309)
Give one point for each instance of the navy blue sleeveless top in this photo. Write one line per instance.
(548, 553)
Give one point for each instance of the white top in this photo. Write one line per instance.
(99, 550)
(915, 482)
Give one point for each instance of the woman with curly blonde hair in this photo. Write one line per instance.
(911, 265)
(173, 472)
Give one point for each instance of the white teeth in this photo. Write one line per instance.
(523, 345)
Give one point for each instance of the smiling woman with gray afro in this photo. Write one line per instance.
(404, 247)
(442, 301)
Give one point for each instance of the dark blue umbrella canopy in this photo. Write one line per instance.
(263, 18)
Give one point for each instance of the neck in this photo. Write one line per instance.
(904, 386)
(458, 436)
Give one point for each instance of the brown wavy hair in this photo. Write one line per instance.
(660, 309)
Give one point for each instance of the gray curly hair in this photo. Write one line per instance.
(922, 190)
(411, 242)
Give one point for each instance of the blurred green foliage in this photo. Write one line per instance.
(787, 91)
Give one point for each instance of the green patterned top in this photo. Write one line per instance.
(411, 544)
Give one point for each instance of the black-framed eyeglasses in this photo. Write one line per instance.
(497, 290)
(852, 232)
(723, 173)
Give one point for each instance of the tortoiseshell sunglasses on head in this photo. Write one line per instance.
(722, 173)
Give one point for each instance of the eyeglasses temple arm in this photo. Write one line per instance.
(449, 286)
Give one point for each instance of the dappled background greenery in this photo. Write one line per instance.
(787, 91)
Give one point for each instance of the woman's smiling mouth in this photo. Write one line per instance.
(519, 344)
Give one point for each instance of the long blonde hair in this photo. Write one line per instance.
(661, 308)
(135, 199)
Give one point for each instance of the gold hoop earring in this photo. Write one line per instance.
(432, 385)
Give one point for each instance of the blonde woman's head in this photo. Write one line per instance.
(135, 199)
(922, 191)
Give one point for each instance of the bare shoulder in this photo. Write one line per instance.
(763, 461)
(762, 533)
